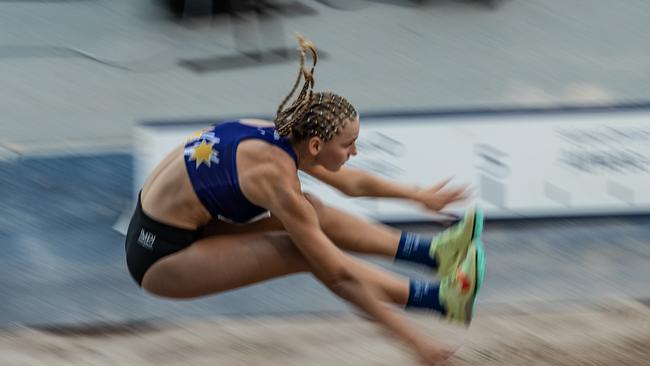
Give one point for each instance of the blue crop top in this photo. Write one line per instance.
(210, 160)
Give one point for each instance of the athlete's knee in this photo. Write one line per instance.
(320, 207)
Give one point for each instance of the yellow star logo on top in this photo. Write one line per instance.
(203, 154)
(196, 135)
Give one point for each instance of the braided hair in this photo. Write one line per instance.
(321, 114)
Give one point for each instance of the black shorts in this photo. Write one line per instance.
(148, 240)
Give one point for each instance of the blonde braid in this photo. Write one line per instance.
(285, 119)
(295, 84)
(320, 114)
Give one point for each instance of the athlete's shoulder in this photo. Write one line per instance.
(265, 172)
(264, 152)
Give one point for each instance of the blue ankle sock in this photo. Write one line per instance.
(415, 248)
(424, 295)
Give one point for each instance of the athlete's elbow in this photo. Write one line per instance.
(362, 185)
(354, 189)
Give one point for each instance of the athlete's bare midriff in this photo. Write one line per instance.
(168, 196)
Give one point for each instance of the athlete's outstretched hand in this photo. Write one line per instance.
(432, 354)
(438, 197)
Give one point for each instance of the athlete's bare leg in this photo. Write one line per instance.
(219, 263)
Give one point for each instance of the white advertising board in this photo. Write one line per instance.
(523, 163)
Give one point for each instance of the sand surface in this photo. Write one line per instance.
(615, 333)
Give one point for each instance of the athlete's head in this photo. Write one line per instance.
(326, 122)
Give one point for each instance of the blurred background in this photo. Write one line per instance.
(78, 75)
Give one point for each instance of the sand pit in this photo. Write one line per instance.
(552, 334)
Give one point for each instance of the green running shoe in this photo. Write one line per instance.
(450, 246)
(458, 291)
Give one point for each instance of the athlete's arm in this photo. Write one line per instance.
(359, 183)
(279, 190)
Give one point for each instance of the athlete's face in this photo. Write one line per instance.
(338, 150)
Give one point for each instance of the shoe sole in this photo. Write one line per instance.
(480, 267)
(478, 224)
(480, 251)
(480, 274)
(476, 236)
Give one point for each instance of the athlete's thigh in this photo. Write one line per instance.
(224, 262)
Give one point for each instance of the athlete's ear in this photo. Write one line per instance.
(315, 144)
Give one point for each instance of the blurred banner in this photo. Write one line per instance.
(569, 161)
